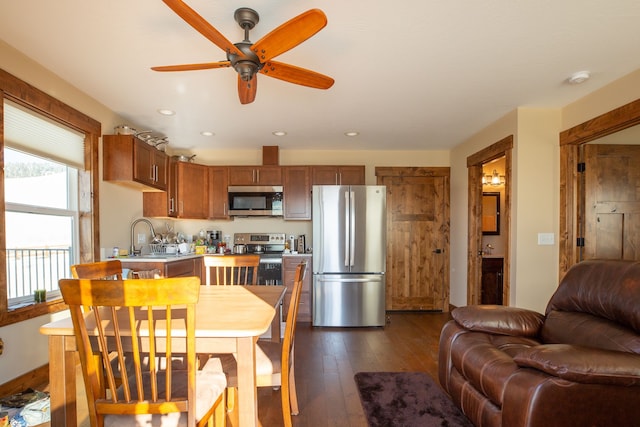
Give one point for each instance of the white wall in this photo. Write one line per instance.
(534, 274)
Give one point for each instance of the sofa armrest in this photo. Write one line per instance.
(498, 319)
(583, 364)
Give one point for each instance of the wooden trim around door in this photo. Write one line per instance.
(475, 161)
(570, 190)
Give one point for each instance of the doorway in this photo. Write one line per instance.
(489, 249)
(572, 187)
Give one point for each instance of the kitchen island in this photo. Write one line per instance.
(192, 265)
(169, 265)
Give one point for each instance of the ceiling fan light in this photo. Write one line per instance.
(246, 70)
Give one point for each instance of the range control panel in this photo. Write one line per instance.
(258, 238)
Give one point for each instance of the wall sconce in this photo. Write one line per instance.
(493, 179)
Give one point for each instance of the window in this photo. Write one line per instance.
(41, 159)
(41, 220)
(48, 196)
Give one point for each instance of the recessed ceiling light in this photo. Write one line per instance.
(166, 112)
(579, 77)
(207, 133)
(279, 133)
(352, 133)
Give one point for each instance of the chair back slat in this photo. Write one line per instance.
(231, 269)
(129, 318)
(110, 269)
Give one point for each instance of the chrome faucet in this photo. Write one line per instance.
(132, 249)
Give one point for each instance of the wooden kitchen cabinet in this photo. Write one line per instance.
(337, 175)
(188, 195)
(175, 268)
(218, 192)
(297, 192)
(193, 191)
(492, 281)
(289, 264)
(255, 175)
(128, 160)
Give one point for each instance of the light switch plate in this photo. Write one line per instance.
(546, 238)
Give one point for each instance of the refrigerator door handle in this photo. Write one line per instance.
(352, 228)
(346, 279)
(346, 229)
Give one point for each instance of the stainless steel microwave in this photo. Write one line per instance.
(252, 200)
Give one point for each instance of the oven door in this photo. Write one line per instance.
(270, 270)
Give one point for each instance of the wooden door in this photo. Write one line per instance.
(417, 276)
(612, 202)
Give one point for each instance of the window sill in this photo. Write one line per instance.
(29, 310)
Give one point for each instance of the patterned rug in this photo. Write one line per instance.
(406, 399)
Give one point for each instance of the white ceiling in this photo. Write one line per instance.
(414, 74)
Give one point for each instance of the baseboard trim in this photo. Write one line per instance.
(32, 379)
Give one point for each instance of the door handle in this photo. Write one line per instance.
(346, 229)
(437, 251)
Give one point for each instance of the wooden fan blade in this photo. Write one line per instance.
(247, 90)
(201, 25)
(190, 67)
(290, 34)
(297, 75)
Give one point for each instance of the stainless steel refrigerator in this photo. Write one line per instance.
(349, 251)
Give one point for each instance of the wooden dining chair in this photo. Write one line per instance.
(274, 360)
(231, 269)
(138, 318)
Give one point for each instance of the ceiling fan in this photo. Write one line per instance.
(249, 59)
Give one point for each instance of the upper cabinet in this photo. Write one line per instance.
(188, 195)
(193, 190)
(218, 196)
(129, 160)
(297, 192)
(255, 175)
(337, 175)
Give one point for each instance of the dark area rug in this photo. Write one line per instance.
(406, 399)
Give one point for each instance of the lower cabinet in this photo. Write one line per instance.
(492, 281)
(289, 264)
(178, 268)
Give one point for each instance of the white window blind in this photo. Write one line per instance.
(36, 134)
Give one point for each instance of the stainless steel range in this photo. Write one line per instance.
(270, 247)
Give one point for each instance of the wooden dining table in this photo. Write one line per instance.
(229, 319)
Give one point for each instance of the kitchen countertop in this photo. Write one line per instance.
(158, 258)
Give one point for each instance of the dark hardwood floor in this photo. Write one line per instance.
(327, 359)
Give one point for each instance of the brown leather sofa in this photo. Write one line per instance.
(577, 365)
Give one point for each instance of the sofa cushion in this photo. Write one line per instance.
(486, 360)
(563, 327)
(497, 319)
(609, 289)
(582, 364)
